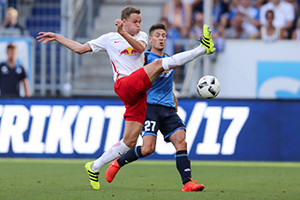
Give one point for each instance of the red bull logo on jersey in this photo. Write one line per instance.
(128, 51)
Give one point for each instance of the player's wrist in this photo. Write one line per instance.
(122, 32)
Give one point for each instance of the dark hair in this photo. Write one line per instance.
(156, 26)
(270, 11)
(127, 11)
(11, 46)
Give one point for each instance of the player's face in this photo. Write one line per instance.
(133, 24)
(11, 53)
(158, 39)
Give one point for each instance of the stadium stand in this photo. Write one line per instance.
(94, 75)
(44, 15)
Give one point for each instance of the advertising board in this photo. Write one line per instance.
(265, 130)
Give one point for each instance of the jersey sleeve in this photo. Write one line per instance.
(1, 64)
(99, 44)
(142, 36)
(23, 74)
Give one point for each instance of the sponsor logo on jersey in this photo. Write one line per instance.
(128, 51)
(4, 70)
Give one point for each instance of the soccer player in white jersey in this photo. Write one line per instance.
(125, 49)
(161, 115)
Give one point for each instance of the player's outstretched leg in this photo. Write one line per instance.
(206, 40)
(93, 175)
(112, 170)
(192, 186)
(206, 47)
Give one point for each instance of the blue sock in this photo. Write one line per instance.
(130, 156)
(183, 165)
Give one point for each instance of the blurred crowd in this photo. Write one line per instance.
(10, 23)
(269, 20)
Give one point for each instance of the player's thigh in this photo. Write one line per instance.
(154, 69)
(132, 88)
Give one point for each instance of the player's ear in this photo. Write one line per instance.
(149, 38)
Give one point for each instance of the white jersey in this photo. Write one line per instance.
(123, 57)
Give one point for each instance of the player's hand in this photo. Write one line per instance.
(45, 36)
(119, 24)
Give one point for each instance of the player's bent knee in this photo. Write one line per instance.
(157, 65)
(146, 151)
(183, 144)
(158, 62)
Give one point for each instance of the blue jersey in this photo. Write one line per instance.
(161, 92)
(10, 79)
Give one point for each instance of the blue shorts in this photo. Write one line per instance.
(161, 118)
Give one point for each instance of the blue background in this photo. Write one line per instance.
(271, 132)
(267, 70)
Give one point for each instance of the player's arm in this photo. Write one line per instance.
(71, 44)
(140, 46)
(26, 87)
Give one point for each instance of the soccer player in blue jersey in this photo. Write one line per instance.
(161, 115)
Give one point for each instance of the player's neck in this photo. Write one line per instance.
(11, 63)
(158, 52)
